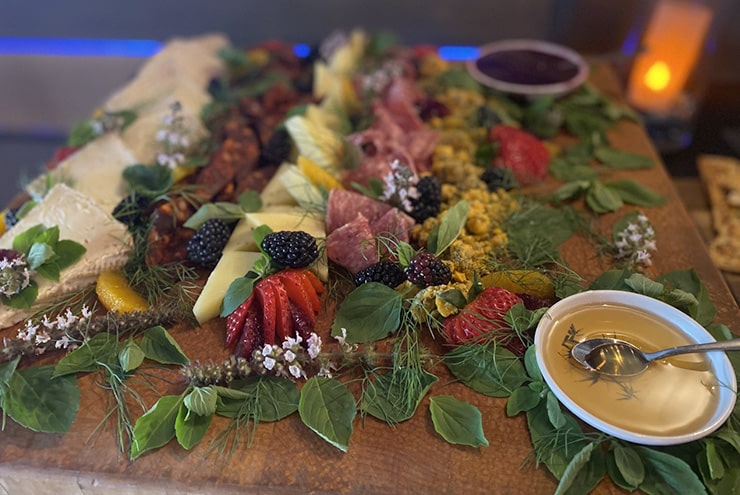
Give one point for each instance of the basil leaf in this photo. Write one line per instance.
(615, 475)
(35, 399)
(68, 252)
(157, 426)
(130, 356)
(39, 254)
(611, 280)
(530, 362)
(454, 297)
(566, 171)
(259, 234)
(666, 471)
(49, 271)
(201, 401)
(100, 349)
(584, 471)
(642, 285)
(554, 413)
(636, 194)
(190, 428)
(238, 292)
(394, 397)
(369, 313)
(23, 241)
(227, 212)
(571, 190)
(328, 408)
(457, 422)
(458, 78)
(449, 227)
(25, 298)
(555, 447)
(602, 199)
(405, 252)
(522, 399)
(629, 464)
(623, 160)
(149, 181)
(6, 372)
(276, 398)
(704, 310)
(81, 134)
(488, 369)
(250, 201)
(158, 345)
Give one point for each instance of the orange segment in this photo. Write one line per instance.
(3, 227)
(529, 282)
(115, 293)
(318, 176)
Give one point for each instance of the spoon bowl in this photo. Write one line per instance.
(615, 357)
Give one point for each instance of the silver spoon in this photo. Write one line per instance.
(619, 358)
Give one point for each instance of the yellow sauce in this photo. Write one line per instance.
(672, 397)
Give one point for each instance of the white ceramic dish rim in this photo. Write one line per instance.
(721, 364)
(556, 89)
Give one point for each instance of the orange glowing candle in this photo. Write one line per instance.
(671, 47)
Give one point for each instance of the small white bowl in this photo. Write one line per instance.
(520, 57)
(667, 414)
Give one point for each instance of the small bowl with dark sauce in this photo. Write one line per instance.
(529, 68)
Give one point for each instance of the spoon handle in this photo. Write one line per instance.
(725, 345)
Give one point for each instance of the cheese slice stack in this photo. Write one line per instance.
(82, 220)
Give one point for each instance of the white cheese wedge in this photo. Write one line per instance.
(232, 265)
(95, 170)
(300, 188)
(242, 238)
(193, 61)
(275, 192)
(80, 219)
(295, 220)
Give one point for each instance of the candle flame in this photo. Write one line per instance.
(658, 76)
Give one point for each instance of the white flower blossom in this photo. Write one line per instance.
(635, 243)
(289, 356)
(291, 342)
(267, 350)
(314, 345)
(269, 363)
(62, 343)
(296, 371)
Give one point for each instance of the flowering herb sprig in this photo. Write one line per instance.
(399, 186)
(101, 123)
(634, 241)
(174, 137)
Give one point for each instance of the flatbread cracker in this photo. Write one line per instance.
(721, 178)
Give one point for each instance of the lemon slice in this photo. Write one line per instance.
(318, 176)
(529, 282)
(115, 293)
(320, 144)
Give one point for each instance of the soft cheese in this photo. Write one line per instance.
(95, 171)
(82, 220)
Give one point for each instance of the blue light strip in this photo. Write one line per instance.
(105, 47)
(79, 47)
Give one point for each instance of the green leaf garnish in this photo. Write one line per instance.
(157, 426)
(250, 201)
(158, 345)
(488, 369)
(130, 356)
(238, 292)
(148, 180)
(369, 313)
(388, 398)
(102, 348)
(636, 194)
(449, 228)
(328, 408)
(623, 160)
(37, 400)
(457, 422)
(190, 428)
(201, 401)
(228, 212)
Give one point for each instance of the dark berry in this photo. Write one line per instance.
(498, 178)
(277, 149)
(205, 247)
(131, 210)
(384, 272)
(294, 249)
(11, 217)
(429, 201)
(431, 108)
(426, 270)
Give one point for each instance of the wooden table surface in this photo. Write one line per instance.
(286, 457)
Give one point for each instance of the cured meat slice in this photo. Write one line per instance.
(394, 223)
(343, 206)
(353, 245)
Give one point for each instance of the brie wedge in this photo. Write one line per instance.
(80, 219)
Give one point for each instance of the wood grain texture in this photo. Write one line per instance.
(286, 457)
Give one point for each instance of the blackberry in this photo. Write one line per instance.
(277, 149)
(498, 178)
(429, 201)
(11, 217)
(384, 272)
(294, 249)
(426, 270)
(205, 247)
(130, 211)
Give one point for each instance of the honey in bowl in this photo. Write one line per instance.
(673, 397)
